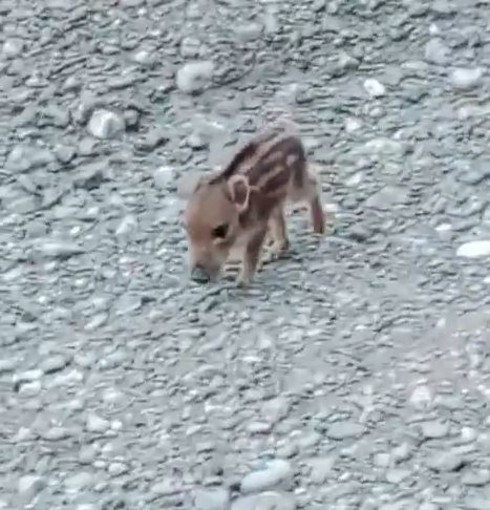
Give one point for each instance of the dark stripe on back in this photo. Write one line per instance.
(276, 182)
(290, 146)
(248, 151)
(287, 145)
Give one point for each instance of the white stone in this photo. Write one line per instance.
(436, 52)
(352, 124)
(421, 396)
(474, 249)
(30, 485)
(97, 424)
(374, 88)
(105, 124)
(465, 78)
(194, 76)
(12, 48)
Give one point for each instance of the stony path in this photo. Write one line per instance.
(353, 375)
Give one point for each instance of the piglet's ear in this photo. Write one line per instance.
(239, 189)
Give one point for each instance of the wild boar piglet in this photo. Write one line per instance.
(233, 209)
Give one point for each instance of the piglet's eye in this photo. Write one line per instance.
(220, 231)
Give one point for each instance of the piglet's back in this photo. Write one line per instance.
(277, 145)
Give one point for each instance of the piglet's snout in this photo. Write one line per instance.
(200, 275)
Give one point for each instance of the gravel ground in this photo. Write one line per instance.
(353, 374)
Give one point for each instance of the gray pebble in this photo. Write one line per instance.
(434, 429)
(166, 487)
(56, 434)
(29, 485)
(8, 365)
(478, 478)
(58, 249)
(344, 430)
(211, 499)
(265, 501)
(193, 77)
(12, 48)
(436, 52)
(54, 363)
(463, 78)
(97, 424)
(105, 124)
(476, 503)
(276, 474)
(446, 462)
(396, 476)
(79, 481)
(276, 409)
(320, 469)
(87, 454)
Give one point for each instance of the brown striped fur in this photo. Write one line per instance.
(235, 208)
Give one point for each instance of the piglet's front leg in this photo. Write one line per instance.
(251, 256)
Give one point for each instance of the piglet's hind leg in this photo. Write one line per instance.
(317, 213)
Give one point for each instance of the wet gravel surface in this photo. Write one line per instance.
(355, 373)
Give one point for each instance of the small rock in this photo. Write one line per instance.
(248, 31)
(436, 52)
(8, 365)
(388, 197)
(259, 427)
(276, 409)
(352, 124)
(91, 176)
(58, 249)
(163, 177)
(190, 47)
(346, 63)
(131, 119)
(194, 76)
(446, 462)
(344, 430)
(265, 501)
(359, 233)
(401, 453)
(396, 476)
(117, 468)
(23, 158)
(277, 474)
(30, 485)
(128, 224)
(463, 78)
(421, 397)
(468, 435)
(211, 499)
(105, 124)
(476, 503)
(153, 139)
(474, 249)
(166, 487)
(196, 141)
(434, 429)
(320, 469)
(97, 424)
(79, 482)
(382, 460)
(429, 506)
(12, 48)
(54, 364)
(374, 88)
(87, 454)
(56, 434)
(478, 478)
